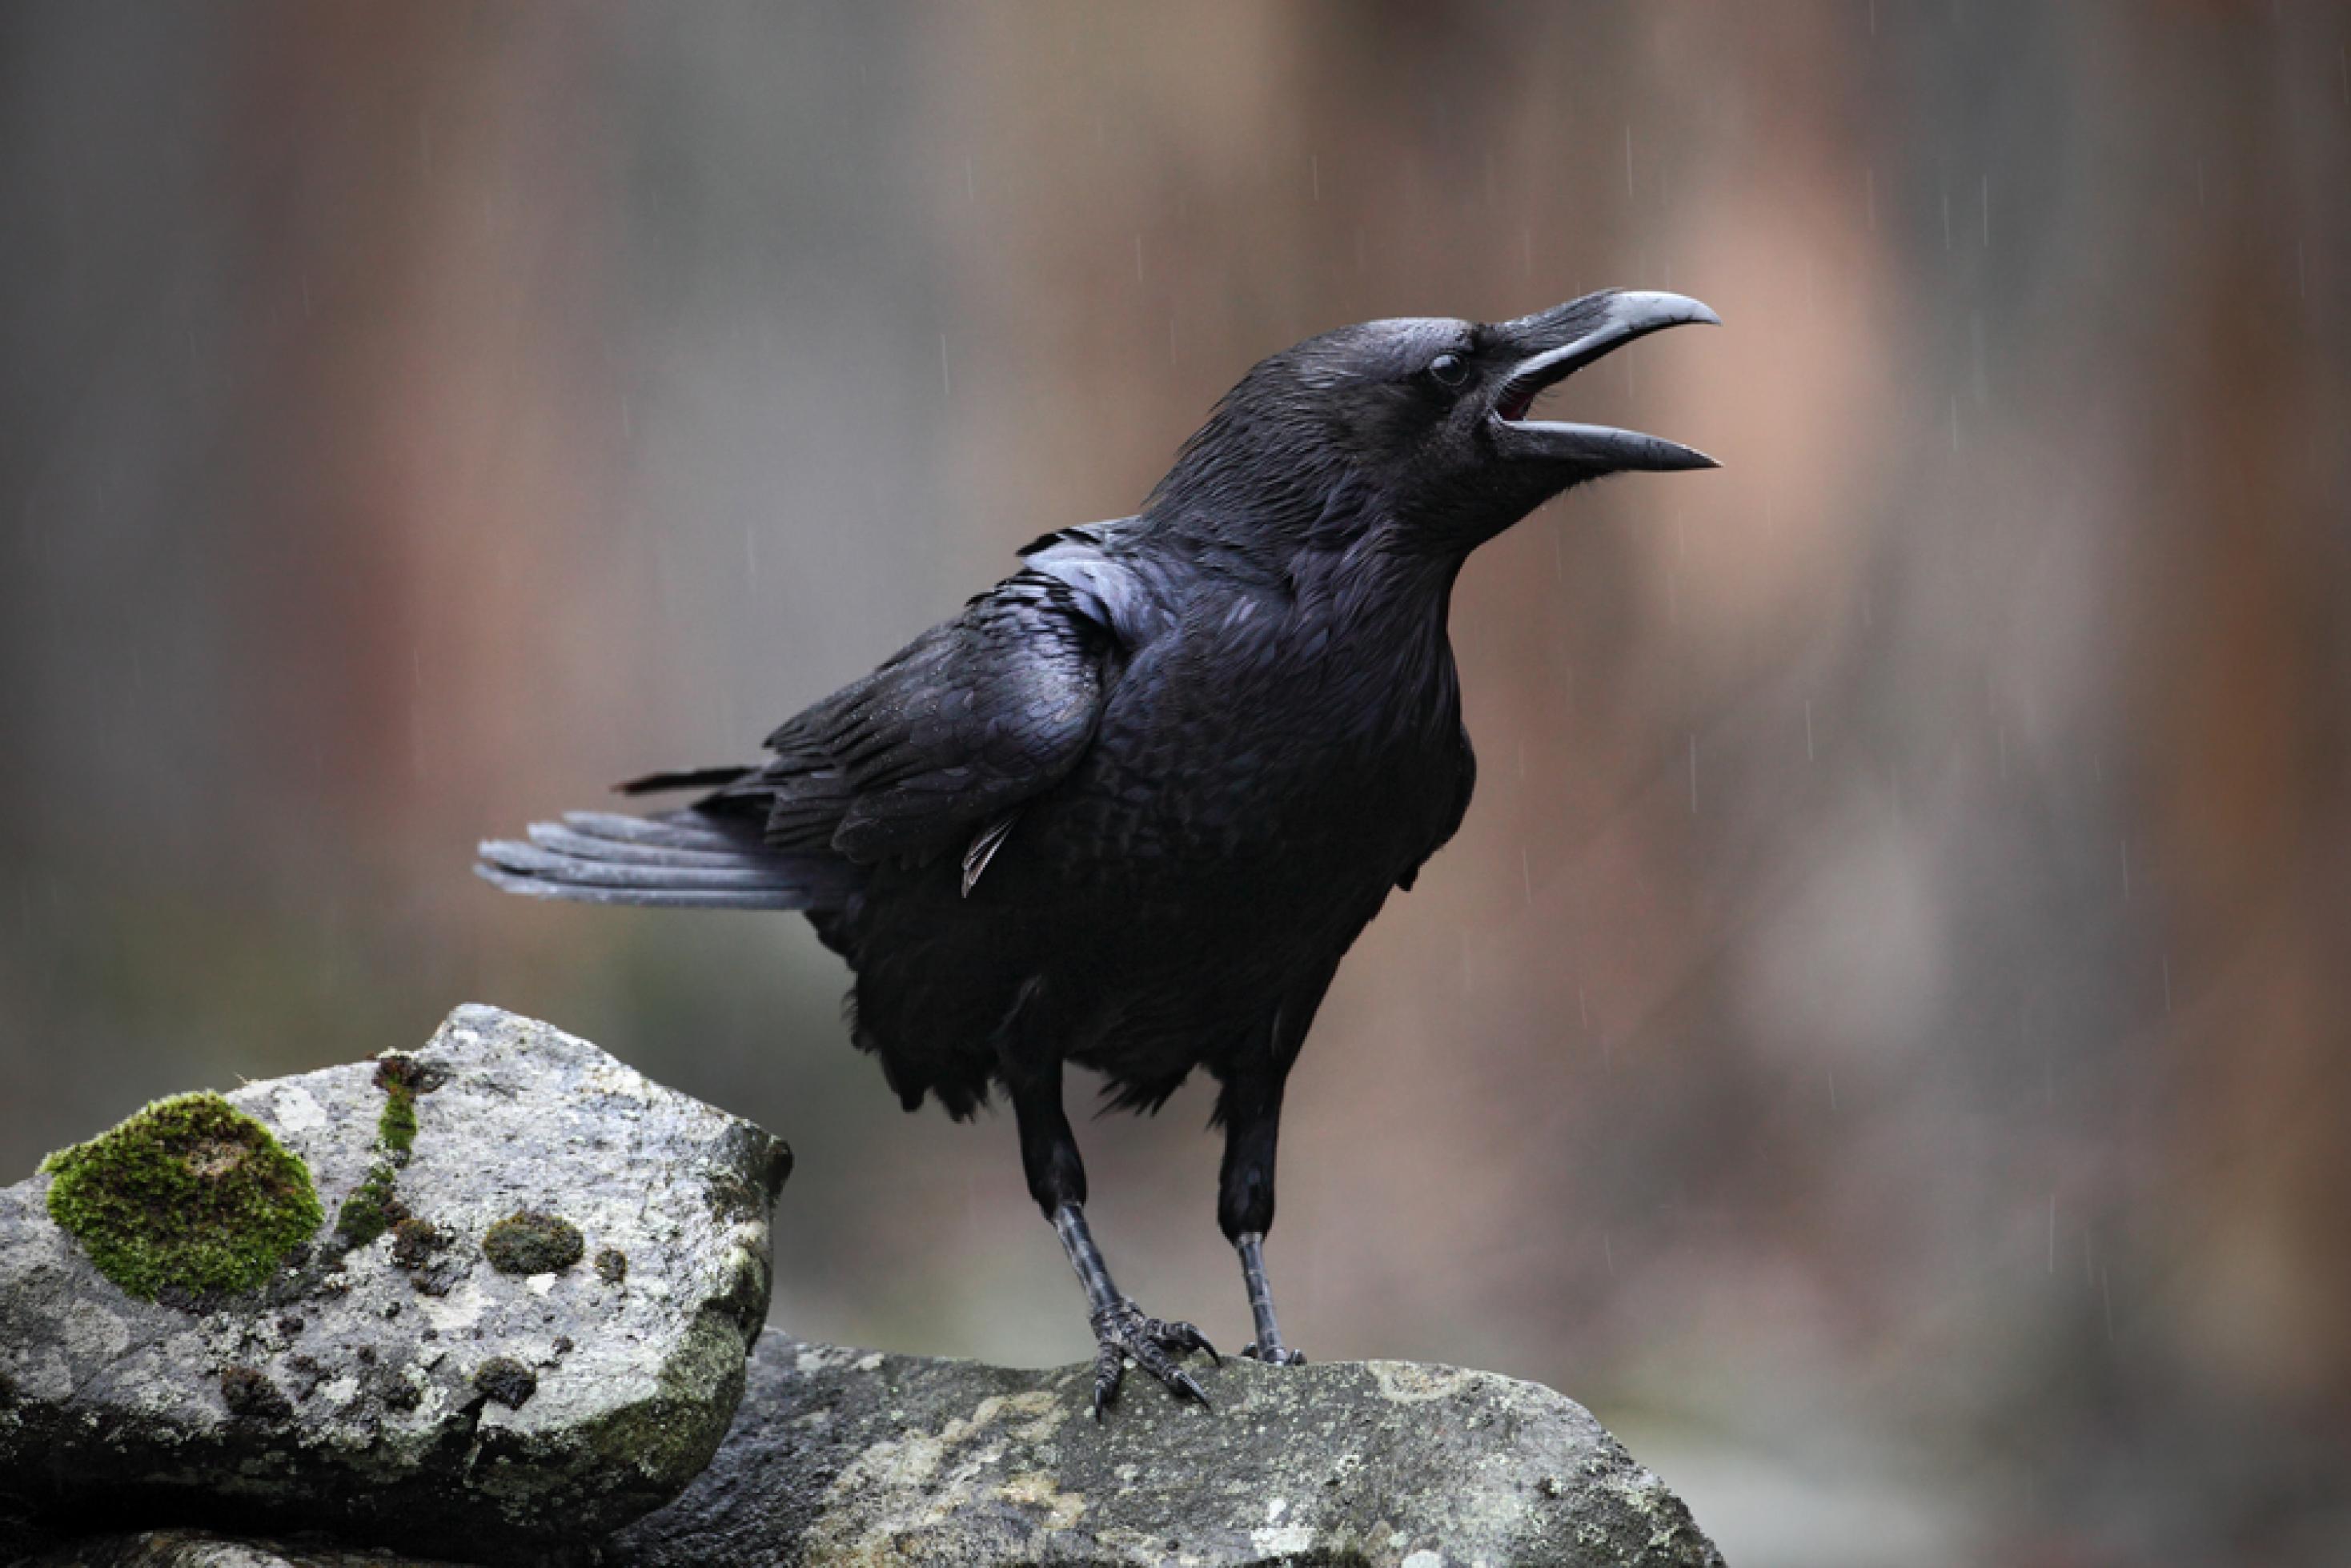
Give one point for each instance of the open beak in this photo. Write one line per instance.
(1562, 340)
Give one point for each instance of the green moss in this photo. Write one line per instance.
(415, 1240)
(529, 1242)
(402, 1079)
(613, 1265)
(506, 1380)
(191, 1194)
(396, 1128)
(370, 1211)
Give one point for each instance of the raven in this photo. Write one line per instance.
(1129, 808)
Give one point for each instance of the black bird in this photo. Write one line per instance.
(1131, 806)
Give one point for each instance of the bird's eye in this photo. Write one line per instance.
(1449, 370)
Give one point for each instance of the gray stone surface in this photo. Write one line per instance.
(207, 1549)
(839, 1457)
(405, 1392)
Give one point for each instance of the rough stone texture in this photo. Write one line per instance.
(204, 1549)
(839, 1457)
(347, 1393)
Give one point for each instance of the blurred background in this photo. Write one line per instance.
(1883, 1038)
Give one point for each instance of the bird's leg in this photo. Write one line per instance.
(1056, 1180)
(1267, 1346)
(1251, 1108)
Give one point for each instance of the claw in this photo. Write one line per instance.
(1122, 1331)
(1280, 1356)
(1191, 1339)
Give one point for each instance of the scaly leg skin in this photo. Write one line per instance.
(1120, 1328)
(1056, 1180)
(1251, 1108)
(1268, 1346)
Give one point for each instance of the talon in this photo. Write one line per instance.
(1192, 1339)
(1123, 1332)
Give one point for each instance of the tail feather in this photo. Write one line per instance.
(678, 860)
(684, 779)
(670, 830)
(561, 840)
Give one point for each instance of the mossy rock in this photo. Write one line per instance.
(371, 1209)
(529, 1242)
(190, 1194)
(341, 1396)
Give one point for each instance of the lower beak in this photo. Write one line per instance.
(1563, 341)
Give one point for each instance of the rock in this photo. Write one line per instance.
(384, 1381)
(204, 1549)
(839, 1457)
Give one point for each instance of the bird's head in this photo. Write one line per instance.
(1421, 425)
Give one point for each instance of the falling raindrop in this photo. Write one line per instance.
(946, 380)
(1808, 729)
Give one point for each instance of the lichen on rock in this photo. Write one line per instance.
(189, 1194)
(250, 1395)
(840, 1456)
(342, 1396)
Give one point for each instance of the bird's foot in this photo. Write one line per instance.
(1274, 1354)
(1122, 1331)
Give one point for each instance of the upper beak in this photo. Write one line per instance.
(1563, 339)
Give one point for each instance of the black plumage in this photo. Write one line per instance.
(1129, 808)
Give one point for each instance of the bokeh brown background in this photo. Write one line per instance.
(1883, 1038)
